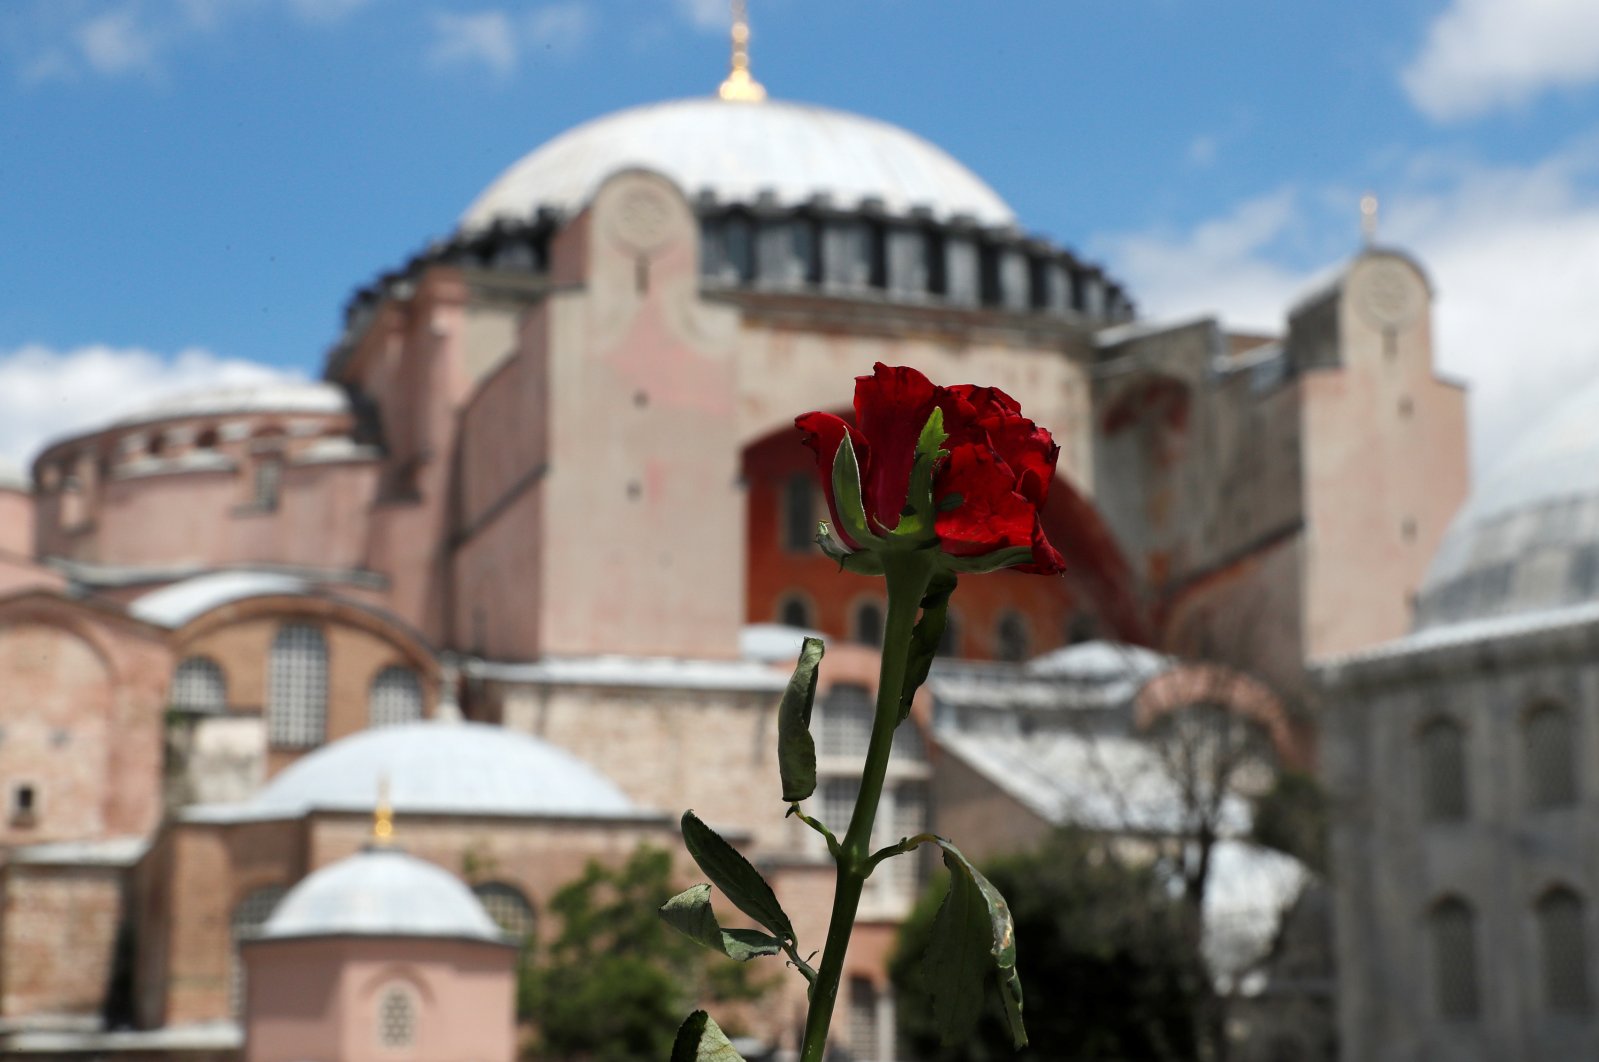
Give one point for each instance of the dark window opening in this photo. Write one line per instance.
(992, 286)
(799, 514)
(24, 805)
(794, 612)
(869, 624)
(937, 268)
(877, 256)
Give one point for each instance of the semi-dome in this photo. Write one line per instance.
(736, 152)
(381, 892)
(447, 768)
(1528, 537)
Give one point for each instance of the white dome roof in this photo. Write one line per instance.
(1528, 537)
(446, 768)
(739, 150)
(381, 892)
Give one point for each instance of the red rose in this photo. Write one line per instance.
(989, 480)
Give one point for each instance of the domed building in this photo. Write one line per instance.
(380, 956)
(1461, 759)
(549, 482)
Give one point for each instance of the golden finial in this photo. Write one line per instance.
(740, 86)
(1368, 218)
(383, 816)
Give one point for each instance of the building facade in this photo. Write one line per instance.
(549, 481)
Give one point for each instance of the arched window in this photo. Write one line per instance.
(1443, 771)
(845, 728)
(396, 1017)
(869, 623)
(198, 685)
(794, 611)
(249, 915)
(508, 906)
(297, 687)
(395, 697)
(268, 481)
(1010, 638)
(1563, 947)
(799, 513)
(1454, 957)
(1551, 757)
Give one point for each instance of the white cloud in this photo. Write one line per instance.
(1232, 263)
(1513, 254)
(67, 41)
(46, 393)
(117, 43)
(1202, 151)
(560, 27)
(483, 38)
(707, 15)
(496, 41)
(1482, 55)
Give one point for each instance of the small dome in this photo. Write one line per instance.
(1099, 661)
(1528, 537)
(446, 768)
(737, 151)
(381, 892)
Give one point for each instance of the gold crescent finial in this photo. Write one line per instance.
(1368, 218)
(383, 815)
(740, 86)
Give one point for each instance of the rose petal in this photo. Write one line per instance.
(891, 407)
(1028, 450)
(991, 514)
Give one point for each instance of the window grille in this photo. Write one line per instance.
(297, 687)
(799, 514)
(395, 698)
(1454, 955)
(862, 1020)
(793, 612)
(908, 744)
(869, 624)
(838, 802)
(1563, 945)
(1010, 638)
(1551, 758)
(396, 1018)
(846, 724)
(199, 686)
(268, 478)
(508, 907)
(249, 916)
(1443, 771)
(906, 818)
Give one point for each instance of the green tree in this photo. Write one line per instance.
(1107, 970)
(614, 981)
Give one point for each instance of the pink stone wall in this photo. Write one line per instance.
(81, 712)
(321, 998)
(58, 929)
(16, 525)
(1385, 461)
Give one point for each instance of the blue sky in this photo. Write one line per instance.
(190, 188)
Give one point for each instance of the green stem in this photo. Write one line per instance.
(908, 575)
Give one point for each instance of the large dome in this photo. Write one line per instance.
(737, 151)
(1528, 537)
(381, 892)
(446, 768)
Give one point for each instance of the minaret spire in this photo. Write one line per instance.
(383, 815)
(740, 86)
(1368, 218)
